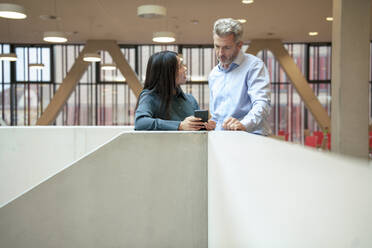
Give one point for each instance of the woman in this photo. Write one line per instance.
(162, 104)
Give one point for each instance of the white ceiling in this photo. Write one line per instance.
(289, 20)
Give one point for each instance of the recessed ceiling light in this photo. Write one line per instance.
(163, 37)
(92, 57)
(329, 18)
(12, 11)
(55, 37)
(151, 11)
(242, 20)
(8, 57)
(247, 1)
(108, 67)
(36, 66)
(313, 33)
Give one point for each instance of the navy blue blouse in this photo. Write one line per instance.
(150, 117)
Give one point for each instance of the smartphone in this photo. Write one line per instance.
(203, 114)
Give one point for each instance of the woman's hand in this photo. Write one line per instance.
(191, 123)
(210, 125)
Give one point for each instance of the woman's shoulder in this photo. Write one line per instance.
(148, 94)
(190, 98)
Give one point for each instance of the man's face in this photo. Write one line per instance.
(226, 49)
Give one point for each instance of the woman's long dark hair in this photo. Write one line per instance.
(161, 74)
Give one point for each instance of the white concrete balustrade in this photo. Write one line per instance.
(182, 189)
(29, 155)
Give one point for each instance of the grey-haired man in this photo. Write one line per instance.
(239, 85)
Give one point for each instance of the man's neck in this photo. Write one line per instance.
(225, 66)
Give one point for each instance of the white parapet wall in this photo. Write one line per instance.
(139, 190)
(194, 189)
(29, 155)
(269, 193)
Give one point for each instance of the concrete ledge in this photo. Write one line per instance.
(30, 155)
(139, 190)
(197, 189)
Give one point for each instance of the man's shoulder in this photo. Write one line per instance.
(213, 74)
(252, 59)
(214, 70)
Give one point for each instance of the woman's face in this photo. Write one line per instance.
(181, 75)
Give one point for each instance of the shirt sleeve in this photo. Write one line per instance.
(145, 116)
(259, 91)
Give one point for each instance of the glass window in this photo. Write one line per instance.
(115, 75)
(320, 62)
(33, 55)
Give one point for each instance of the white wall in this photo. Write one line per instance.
(261, 192)
(267, 193)
(29, 155)
(143, 189)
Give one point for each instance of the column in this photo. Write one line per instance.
(350, 76)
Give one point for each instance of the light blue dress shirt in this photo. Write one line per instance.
(241, 91)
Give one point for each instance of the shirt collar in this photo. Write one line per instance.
(180, 93)
(236, 62)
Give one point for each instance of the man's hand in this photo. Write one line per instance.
(191, 123)
(232, 123)
(210, 125)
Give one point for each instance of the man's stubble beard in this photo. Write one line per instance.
(230, 60)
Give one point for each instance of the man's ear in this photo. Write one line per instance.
(240, 44)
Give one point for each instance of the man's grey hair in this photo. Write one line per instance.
(227, 26)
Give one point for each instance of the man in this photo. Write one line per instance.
(239, 85)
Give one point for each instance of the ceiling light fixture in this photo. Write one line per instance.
(92, 57)
(313, 33)
(329, 18)
(108, 67)
(151, 11)
(12, 11)
(247, 1)
(242, 20)
(8, 57)
(36, 66)
(55, 37)
(163, 37)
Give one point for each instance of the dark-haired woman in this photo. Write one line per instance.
(162, 104)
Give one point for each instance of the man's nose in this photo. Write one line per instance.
(221, 52)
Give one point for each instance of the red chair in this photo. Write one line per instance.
(319, 134)
(311, 141)
(283, 133)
